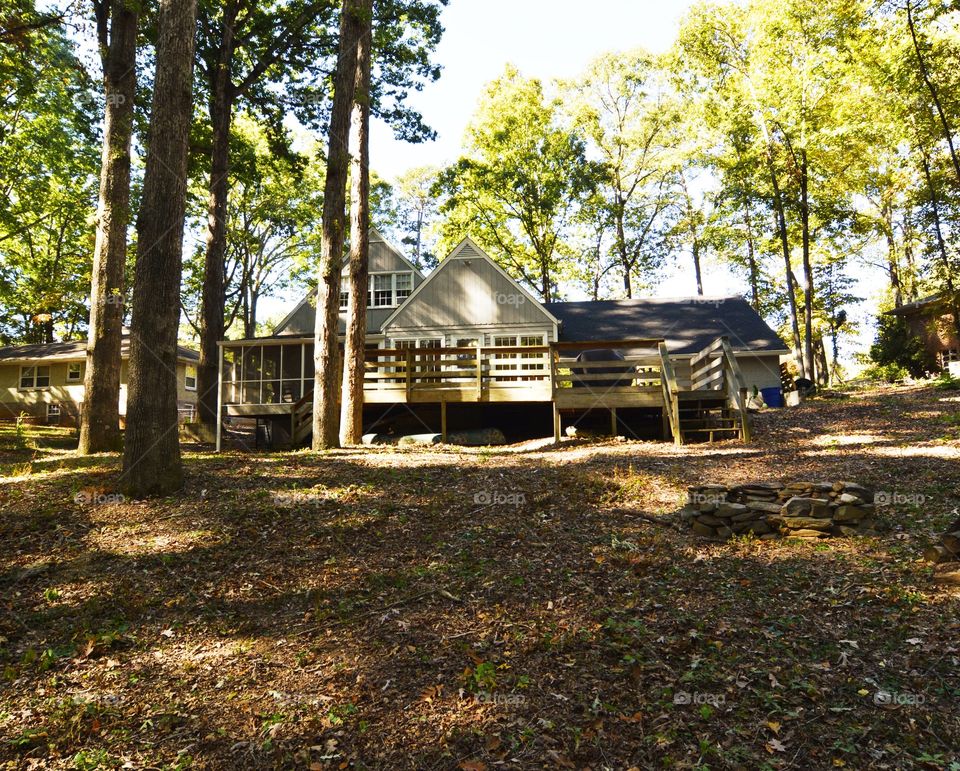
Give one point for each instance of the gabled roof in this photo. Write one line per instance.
(375, 316)
(74, 350)
(468, 249)
(688, 324)
(924, 303)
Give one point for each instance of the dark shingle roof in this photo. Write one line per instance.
(74, 350)
(687, 324)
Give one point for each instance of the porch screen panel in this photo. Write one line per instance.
(291, 386)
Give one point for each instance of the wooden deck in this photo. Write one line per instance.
(709, 402)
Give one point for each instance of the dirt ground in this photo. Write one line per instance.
(484, 608)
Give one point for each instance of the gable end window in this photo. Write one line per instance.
(34, 377)
(386, 290)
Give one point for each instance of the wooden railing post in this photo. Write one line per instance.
(671, 397)
(408, 370)
(479, 372)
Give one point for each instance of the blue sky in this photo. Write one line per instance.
(544, 38)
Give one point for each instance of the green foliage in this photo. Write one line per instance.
(49, 162)
(518, 185)
(898, 350)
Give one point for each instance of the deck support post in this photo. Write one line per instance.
(613, 421)
(443, 422)
(219, 396)
(557, 427)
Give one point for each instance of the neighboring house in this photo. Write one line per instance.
(45, 382)
(468, 332)
(932, 321)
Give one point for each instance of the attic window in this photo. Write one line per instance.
(389, 289)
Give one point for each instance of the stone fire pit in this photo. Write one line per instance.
(811, 510)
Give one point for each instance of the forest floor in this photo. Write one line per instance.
(482, 608)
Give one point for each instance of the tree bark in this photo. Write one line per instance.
(952, 299)
(151, 455)
(100, 424)
(326, 353)
(785, 246)
(808, 288)
(752, 258)
(212, 302)
(351, 412)
(931, 87)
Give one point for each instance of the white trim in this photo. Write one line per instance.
(186, 375)
(36, 376)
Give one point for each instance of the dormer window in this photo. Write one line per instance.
(387, 290)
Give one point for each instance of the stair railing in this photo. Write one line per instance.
(671, 398)
(736, 390)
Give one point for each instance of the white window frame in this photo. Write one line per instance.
(79, 370)
(187, 378)
(54, 411)
(35, 377)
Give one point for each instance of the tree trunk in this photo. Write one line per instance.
(807, 266)
(100, 424)
(151, 454)
(952, 299)
(351, 413)
(326, 353)
(212, 303)
(752, 259)
(695, 251)
(931, 87)
(893, 263)
(785, 245)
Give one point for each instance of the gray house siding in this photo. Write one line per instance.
(384, 258)
(467, 292)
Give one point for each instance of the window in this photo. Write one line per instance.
(404, 285)
(344, 300)
(34, 377)
(381, 290)
(387, 290)
(74, 372)
(53, 413)
(190, 378)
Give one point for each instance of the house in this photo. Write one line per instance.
(932, 320)
(45, 382)
(468, 343)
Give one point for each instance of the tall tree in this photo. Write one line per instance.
(517, 187)
(354, 351)
(354, 22)
(48, 174)
(625, 108)
(151, 453)
(244, 46)
(416, 202)
(117, 40)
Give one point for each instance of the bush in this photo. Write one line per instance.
(898, 352)
(888, 373)
(947, 382)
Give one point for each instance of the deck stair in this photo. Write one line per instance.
(708, 420)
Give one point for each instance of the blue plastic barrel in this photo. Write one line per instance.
(772, 397)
